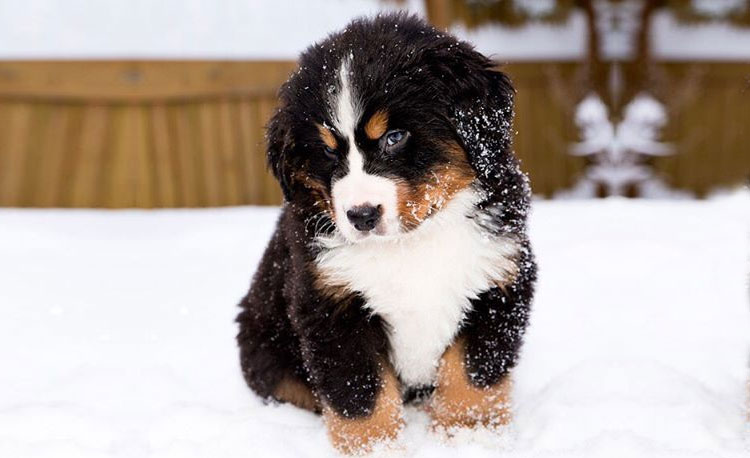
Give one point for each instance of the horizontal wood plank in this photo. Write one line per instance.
(128, 81)
(153, 134)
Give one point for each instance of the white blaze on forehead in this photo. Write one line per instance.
(358, 187)
(346, 109)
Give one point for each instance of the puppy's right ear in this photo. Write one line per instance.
(280, 146)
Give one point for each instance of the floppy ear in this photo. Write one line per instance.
(480, 101)
(485, 125)
(483, 118)
(497, 109)
(280, 145)
(500, 91)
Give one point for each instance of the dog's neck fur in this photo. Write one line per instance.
(421, 283)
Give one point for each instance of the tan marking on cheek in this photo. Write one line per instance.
(377, 125)
(326, 285)
(327, 137)
(310, 183)
(360, 435)
(296, 393)
(457, 403)
(417, 203)
(317, 189)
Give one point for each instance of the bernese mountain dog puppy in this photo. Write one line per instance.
(400, 267)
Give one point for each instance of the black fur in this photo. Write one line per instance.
(443, 90)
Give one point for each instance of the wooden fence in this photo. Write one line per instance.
(113, 134)
(709, 124)
(136, 134)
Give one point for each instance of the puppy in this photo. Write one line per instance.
(400, 263)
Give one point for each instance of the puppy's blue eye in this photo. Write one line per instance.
(330, 152)
(395, 137)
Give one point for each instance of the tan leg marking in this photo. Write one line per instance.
(297, 393)
(359, 435)
(458, 403)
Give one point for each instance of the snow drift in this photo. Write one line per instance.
(117, 336)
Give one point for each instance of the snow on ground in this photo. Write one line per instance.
(117, 336)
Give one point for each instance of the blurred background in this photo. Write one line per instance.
(158, 104)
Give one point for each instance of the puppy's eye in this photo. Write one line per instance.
(395, 137)
(330, 152)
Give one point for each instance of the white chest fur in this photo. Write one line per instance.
(422, 283)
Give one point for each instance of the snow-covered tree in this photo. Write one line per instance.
(621, 118)
(619, 151)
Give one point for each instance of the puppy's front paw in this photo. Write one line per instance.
(355, 436)
(457, 403)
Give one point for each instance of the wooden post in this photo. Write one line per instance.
(439, 13)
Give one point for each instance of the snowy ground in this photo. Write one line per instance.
(117, 340)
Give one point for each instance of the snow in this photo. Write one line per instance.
(117, 336)
(183, 29)
(238, 29)
(717, 8)
(534, 41)
(617, 149)
(712, 41)
(273, 29)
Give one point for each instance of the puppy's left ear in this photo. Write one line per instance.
(479, 97)
(483, 119)
(500, 91)
(498, 106)
(280, 146)
(480, 108)
(468, 77)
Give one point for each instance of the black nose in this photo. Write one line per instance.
(364, 217)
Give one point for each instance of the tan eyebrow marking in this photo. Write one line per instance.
(376, 126)
(327, 136)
